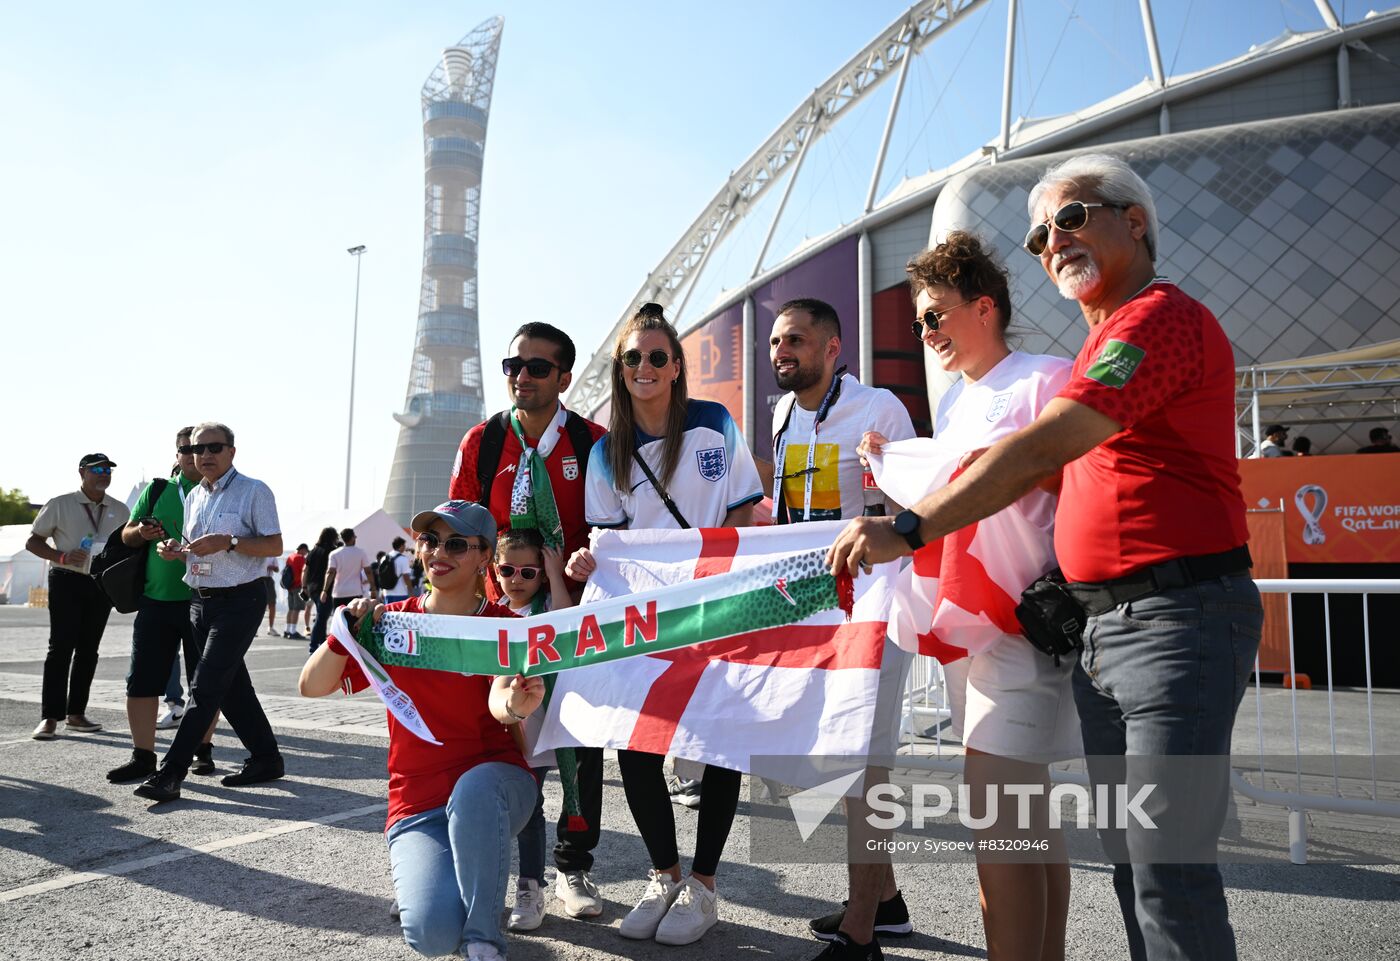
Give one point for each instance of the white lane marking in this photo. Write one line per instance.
(140, 864)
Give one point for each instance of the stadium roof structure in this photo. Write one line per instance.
(1146, 107)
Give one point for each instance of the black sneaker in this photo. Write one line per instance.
(161, 787)
(841, 949)
(891, 920)
(203, 763)
(141, 766)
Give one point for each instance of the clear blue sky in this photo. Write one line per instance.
(178, 186)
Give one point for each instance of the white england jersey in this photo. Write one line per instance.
(1006, 399)
(825, 483)
(714, 475)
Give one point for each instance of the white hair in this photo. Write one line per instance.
(1108, 177)
(213, 425)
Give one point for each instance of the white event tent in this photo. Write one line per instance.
(19, 569)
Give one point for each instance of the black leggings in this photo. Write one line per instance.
(644, 782)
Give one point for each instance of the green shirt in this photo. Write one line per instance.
(165, 580)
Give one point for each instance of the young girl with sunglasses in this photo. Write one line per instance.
(454, 807)
(532, 581)
(668, 462)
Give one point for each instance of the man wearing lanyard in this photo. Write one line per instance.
(816, 430)
(231, 527)
(538, 430)
(162, 623)
(79, 524)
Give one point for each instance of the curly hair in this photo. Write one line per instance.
(964, 263)
(526, 537)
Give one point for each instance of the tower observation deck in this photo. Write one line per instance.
(444, 384)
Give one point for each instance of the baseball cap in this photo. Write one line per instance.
(1276, 429)
(467, 518)
(94, 460)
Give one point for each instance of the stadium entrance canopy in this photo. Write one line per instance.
(1346, 386)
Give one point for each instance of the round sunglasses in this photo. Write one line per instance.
(657, 358)
(1069, 218)
(527, 571)
(453, 545)
(933, 319)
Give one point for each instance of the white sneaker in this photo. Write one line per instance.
(528, 912)
(694, 912)
(171, 717)
(641, 922)
(484, 950)
(579, 894)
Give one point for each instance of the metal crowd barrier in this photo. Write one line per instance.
(925, 710)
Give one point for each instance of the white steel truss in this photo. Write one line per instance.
(812, 118)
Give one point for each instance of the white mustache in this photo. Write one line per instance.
(1070, 251)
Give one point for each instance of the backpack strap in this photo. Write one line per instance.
(488, 455)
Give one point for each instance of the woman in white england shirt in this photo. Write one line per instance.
(1012, 704)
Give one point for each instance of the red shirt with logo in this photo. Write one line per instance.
(1168, 484)
(454, 707)
(296, 562)
(562, 465)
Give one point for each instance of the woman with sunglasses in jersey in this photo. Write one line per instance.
(455, 807)
(1012, 705)
(668, 462)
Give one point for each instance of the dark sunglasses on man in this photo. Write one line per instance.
(657, 358)
(98, 469)
(537, 367)
(1069, 218)
(215, 448)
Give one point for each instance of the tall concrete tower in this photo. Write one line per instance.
(444, 384)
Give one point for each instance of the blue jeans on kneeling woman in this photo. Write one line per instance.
(451, 864)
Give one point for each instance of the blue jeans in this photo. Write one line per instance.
(451, 864)
(1164, 675)
(174, 690)
(318, 630)
(531, 840)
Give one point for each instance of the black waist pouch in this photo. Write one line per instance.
(1052, 619)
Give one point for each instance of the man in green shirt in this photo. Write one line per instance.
(162, 624)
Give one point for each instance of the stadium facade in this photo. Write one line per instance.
(444, 396)
(1277, 181)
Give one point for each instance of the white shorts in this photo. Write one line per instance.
(889, 701)
(1012, 701)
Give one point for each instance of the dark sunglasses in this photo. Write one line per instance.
(527, 571)
(537, 368)
(657, 358)
(933, 319)
(201, 448)
(1069, 218)
(98, 469)
(453, 545)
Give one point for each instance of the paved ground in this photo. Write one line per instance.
(298, 868)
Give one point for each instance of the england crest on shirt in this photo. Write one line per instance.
(712, 463)
(997, 409)
(570, 465)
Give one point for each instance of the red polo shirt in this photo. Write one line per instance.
(562, 465)
(1168, 484)
(454, 706)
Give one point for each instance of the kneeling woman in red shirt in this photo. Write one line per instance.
(453, 809)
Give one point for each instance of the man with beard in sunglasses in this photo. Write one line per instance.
(1150, 535)
(499, 466)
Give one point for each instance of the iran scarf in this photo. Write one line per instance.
(802, 689)
(959, 595)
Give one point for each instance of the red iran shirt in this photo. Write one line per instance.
(562, 462)
(1168, 484)
(454, 706)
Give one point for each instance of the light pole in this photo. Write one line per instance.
(354, 345)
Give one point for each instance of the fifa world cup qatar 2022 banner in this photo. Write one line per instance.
(1338, 509)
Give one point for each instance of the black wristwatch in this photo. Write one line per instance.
(232, 543)
(906, 525)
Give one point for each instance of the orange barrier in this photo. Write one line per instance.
(1266, 536)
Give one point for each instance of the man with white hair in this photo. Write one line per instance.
(1149, 533)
